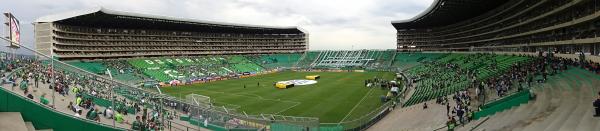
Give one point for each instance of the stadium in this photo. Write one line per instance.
(458, 65)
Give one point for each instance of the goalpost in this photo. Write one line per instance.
(200, 100)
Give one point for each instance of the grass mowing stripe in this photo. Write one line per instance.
(361, 100)
(330, 99)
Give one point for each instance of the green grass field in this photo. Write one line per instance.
(337, 95)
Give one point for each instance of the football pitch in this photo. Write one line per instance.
(338, 96)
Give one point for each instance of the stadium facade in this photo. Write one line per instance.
(563, 26)
(101, 33)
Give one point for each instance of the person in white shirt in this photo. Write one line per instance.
(109, 113)
(78, 114)
(395, 90)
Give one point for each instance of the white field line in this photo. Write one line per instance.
(297, 103)
(361, 100)
(255, 96)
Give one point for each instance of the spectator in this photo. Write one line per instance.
(119, 117)
(93, 115)
(137, 125)
(70, 106)
(78, 101)
(43, 99)
(108, 113)
(451, 124)
(597, 106)
(23, 86)
(29, 96)
(78, 113)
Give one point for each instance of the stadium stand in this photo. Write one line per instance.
(240, 64)
(570, 111)
(81, 35)
(448, 74)
(361, 59)
(407, 60)
(273, 61)
(94, 67)
(166, 69)
(307, 59)
(119, 69)
(564, 26)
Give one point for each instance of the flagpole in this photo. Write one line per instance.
(112, 98)
(52, 74)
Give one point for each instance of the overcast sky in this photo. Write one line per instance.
(332, 24)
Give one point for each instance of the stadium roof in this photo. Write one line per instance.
(119, 19)
(447, 12)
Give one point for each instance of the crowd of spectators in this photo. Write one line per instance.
(519, 77)
(78, 85)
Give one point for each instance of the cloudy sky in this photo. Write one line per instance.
(332, 24)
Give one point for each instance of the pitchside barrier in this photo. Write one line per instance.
(363, 122)
(115, 91)
(505, 103)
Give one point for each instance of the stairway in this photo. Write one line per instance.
(564, 103)
(12, 121)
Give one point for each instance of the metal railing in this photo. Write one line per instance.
(159, 102)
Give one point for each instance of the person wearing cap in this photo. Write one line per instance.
(108, 112)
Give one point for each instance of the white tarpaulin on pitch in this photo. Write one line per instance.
(299, 82)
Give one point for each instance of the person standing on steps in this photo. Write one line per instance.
(447, 108)
(451, 124)
(597, 106)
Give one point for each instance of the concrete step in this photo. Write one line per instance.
(532, 110)
(562, 115)
(586, 122)
(12, 121)
(580, 111)
(561, 104)
(554, 104)
(29, 126)
(568, 103)
(472, 124)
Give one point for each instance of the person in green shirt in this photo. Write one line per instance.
(78, 101)
(451, 124)
(137, 124)
(75, 90)
(23, 86)
(93, 115)
(119, 117)
(43, 99)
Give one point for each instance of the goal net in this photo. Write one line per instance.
(200, 100)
